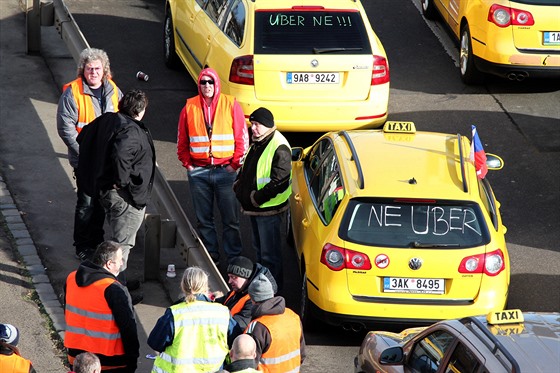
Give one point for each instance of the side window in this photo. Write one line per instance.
(428, 353)
(462, 360)
(202, 3)
(331, 191)
(487, 198)
(235, 22)
(214, 8)
(315, 157)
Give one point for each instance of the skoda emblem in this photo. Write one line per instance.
(415, 263)
(314, 63)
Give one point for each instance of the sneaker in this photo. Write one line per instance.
(136, 298)
(133, 285)
(82, 256)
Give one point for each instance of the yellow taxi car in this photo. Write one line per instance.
(316, 65)
(503, 341)
(510, 38)
(394, 225)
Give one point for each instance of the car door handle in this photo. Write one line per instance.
(297, 197)
(305, 222)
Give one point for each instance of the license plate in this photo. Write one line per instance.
(552, 38)
(312, 78)
(414, 285)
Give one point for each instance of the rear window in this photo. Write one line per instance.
(310, 32)
(414, 225)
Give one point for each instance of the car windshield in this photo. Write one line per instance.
(414, 224)
(310, 32)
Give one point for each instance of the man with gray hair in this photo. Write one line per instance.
(99, 314)
(86, 362)
(243, 354)
(91, 94)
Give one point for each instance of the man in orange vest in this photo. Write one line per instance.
(212, 139)
(276, 329)
(91, 94)
(99, 313)
(11, 360)
(241, 272)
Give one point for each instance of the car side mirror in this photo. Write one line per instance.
(297, 154)
(494, 162)
(392, 356)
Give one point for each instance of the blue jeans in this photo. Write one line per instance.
(268, 239)
(207, 185)
(123, 218)
(89, 218)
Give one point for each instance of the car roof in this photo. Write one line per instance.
(407, 165)
(533, 343)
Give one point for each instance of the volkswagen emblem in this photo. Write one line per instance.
(314, 63)
(415, 263)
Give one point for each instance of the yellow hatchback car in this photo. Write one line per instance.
(510, 38)
(394, 225)
(316, 65)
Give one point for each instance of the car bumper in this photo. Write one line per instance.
(320, 115)
(517, 72)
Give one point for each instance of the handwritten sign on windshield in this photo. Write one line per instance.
(299, 20)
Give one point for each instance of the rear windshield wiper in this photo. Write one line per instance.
(333, 50)
(424, 245)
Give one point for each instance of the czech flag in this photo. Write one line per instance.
(478, 156)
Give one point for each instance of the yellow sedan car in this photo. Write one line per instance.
(394, 225)
(316, 65)
(510, 38)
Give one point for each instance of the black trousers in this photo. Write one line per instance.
(89, 218)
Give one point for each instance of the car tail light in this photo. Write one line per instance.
(380, 73)
(337, 258)
(490, 264)
(241, 71)
(503, 16)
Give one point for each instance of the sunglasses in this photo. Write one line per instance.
(203, 82)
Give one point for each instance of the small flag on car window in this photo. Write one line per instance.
(478, 156)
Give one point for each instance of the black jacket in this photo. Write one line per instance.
(243, 317)
(118, 300)
(245, 187)
(117, 150)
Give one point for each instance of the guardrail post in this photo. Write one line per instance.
(33, 26)
(152, 246)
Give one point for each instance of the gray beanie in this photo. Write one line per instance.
(260, 289)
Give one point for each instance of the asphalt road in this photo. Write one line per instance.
(519, 121)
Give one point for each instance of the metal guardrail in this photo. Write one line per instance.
(169, 225)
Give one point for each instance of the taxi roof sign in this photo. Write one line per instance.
(399, 127)
(505, 317)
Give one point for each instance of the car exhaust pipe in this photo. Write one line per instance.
(353, 327)
(520, 76)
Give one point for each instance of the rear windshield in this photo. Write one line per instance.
(422, 225)
(537, 2)
(310, 32)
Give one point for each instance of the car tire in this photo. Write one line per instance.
(470, 75)
(428, 9)
(169, 53)
(308, 322)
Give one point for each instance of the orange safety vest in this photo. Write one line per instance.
(237, 307)
(84, 103)
(222, 142)
(90, 325)
(283, 354)
(14, 364)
